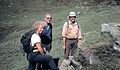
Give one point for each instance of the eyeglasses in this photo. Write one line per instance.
(49, 18)
(72, 16)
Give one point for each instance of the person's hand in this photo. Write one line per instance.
(79, 38)
(42, 52)
(63, 46)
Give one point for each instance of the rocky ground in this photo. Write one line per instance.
(109, 59)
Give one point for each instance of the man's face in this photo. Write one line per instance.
(72, 18)
(48, 18)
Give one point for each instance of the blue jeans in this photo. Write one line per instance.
(35, 57)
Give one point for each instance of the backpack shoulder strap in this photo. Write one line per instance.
(67, 24)
(78, 24)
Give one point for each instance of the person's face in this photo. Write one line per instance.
(40, 29)
(72, 18)
(48, 18)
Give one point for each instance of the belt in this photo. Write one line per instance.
(71, 38)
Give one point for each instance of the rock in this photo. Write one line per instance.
(116, 45)
(89, 56)
(65, 65)
(105, 27)
(112, 28)
(70, 64)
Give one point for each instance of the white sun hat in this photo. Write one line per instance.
(72, 14)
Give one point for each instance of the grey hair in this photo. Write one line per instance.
(48, 14)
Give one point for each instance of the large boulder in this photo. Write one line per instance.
(112, 28)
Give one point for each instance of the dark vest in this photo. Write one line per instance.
(46, 35)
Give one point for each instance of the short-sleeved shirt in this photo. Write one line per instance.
(35, 39)
(71, 30)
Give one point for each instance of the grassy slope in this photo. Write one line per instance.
(90, 18)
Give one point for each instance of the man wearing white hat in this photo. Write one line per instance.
(71, 33)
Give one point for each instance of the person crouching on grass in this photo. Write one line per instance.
(37, 55)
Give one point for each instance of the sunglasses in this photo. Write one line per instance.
(72, 16)
(48, 18)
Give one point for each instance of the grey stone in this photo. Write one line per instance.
(112, 28)
(116, 45)
(105, 27)
(89, 56)
(70, 64)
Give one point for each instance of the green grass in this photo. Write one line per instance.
(90, 20)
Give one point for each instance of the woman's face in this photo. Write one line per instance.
(40, 29)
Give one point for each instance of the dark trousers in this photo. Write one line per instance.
(71, 46)
(35, 57)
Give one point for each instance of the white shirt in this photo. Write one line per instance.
(35, 39)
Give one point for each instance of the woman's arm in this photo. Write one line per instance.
(39, 47)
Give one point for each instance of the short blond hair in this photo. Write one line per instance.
(36, 24)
